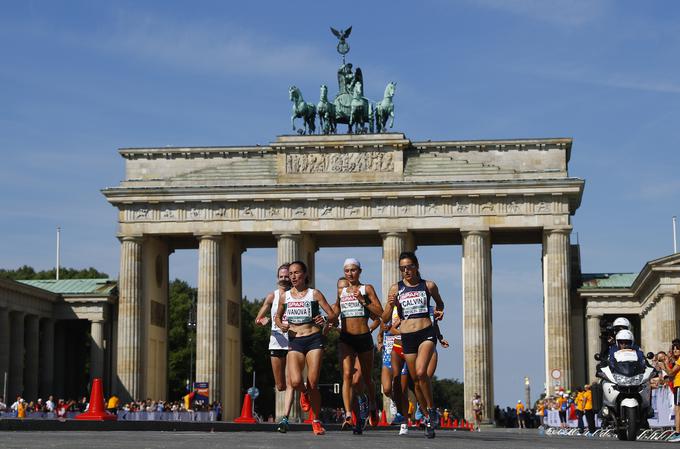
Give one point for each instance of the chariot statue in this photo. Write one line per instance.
(350, 106)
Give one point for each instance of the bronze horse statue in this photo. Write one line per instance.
(326, 112)
(384, 109)
(301, 109)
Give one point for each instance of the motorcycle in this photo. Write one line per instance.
(626, 392)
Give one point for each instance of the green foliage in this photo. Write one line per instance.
(448, 393)
(180, 338)
(28, 273)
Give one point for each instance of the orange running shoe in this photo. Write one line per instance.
(318, 428)
(304, 402)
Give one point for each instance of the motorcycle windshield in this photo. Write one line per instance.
(627, 368)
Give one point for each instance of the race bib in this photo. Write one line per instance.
(413, 302)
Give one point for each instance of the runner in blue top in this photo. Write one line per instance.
(411, 296)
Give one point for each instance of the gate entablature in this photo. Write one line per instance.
(325, 183)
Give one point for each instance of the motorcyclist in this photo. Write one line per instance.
(625, 341)
(619, 324)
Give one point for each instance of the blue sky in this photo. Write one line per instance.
(80, 79)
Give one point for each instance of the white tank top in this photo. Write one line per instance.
(301, 310)
(277, 339)
(275, 308)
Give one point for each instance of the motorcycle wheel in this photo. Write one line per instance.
(632, 418)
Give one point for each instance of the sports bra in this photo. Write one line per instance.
(350, 307)
(413, 302)
(301, 310)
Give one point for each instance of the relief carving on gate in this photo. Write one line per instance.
(352, 162)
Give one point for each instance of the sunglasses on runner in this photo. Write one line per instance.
(411, 266)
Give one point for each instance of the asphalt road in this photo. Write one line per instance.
(501, 438)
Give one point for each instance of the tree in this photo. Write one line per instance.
(26, 272)
(181, 337)
(448, 393)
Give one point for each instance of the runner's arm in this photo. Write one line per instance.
(389, 305)
(439, 307)
(261, 318)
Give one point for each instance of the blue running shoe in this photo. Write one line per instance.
(398, 418)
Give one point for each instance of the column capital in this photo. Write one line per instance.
(558, 230)
(593, 315)
(394, 233)
(137, 238)
(287, 235)
(208, 236)
(483, 231)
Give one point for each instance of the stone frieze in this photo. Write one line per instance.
(344, 209)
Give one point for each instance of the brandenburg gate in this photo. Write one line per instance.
(303, 192)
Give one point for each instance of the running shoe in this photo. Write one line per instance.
(317, 428)
(429, 429)
(398, 418)
(363, 406)
(358, 429)
(283, 426)
(305, 405)
(675, 438)
(347, 424)
(393, 408)
(403, 429)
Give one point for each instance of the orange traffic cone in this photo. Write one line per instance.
(246, 411)
(383, 420)
(455, 424)
(96, 411)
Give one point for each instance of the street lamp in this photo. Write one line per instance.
(191, 327)
(527, 392)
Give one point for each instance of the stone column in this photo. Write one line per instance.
(16, 357)
(4, 347)
(208, 314)
(97, 349)
(477, 321)
(557, 304)
(308, 250)
(130, 308)
(32, 357)
(287, 248)
(46, 357)
(393, 245)
(593, 330)
(666, 324)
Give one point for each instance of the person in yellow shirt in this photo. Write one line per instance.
(579, 408)
(540, 408)
(112, 404)
(588, 409)
(673, 370)
(21, 409)
(521, 416)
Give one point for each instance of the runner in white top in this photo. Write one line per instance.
(278, 341)
(302, 308)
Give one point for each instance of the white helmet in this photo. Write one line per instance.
(622, 323)
(625, 334)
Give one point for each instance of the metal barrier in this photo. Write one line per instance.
(124, 415)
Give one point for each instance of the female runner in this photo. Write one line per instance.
(278, 342)
(411, 297)
(356, 303)
(301, 307)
